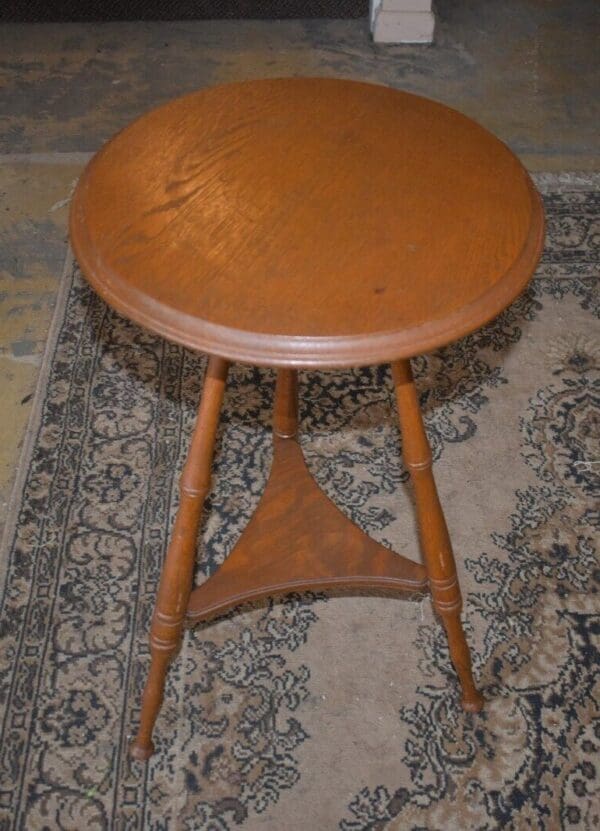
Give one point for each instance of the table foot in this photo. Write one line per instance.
(473, 705)
(471, 699)
(141, 753)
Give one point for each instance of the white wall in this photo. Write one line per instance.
(402, 21)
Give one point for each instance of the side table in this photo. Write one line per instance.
(304, 223)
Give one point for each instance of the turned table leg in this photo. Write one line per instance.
(177, 573)
(285, 415)
(433, 532)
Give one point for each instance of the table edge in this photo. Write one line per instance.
(311, 352)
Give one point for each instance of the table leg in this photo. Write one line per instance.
(285, 415)
(177, 573)
(433, 532)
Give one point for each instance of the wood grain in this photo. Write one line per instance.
(433, 531)
(285, 415)
(177, 573)
(307, 222)
(298, 540)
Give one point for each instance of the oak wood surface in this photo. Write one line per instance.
(433, 531)
(177, 572)
(285, 409)
(307, 222)
(304, 223)
(298, 540)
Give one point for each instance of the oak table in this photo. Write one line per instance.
(304, 223)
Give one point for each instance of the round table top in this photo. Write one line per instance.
(307, 222)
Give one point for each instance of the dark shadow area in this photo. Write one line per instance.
(58, 11)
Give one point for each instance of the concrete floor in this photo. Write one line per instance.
(526, 69)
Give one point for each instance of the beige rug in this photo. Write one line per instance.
(314, 713)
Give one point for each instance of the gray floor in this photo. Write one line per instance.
(526, 69)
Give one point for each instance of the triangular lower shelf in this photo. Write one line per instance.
(298, 540)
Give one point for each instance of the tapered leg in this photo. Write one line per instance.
(177, 574)
(433, 532)
(285, 416)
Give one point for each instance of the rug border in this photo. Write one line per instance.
(564, 179)
(544, 181)
(34, 420)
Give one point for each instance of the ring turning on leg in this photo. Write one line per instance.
(177, 574)
(433, 532)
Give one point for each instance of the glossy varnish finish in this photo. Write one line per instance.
(307, 222)
(176, 578)
(433, 532)
(304, 222)
(298, 539)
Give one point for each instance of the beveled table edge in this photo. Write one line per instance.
(309, 352)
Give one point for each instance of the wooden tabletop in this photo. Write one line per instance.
(307, 222)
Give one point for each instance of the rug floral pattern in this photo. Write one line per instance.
(243, 731)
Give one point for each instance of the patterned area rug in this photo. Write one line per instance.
(315, 712)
